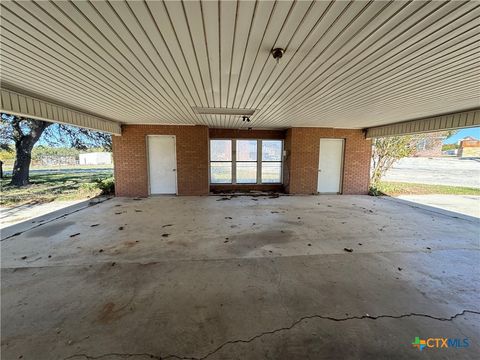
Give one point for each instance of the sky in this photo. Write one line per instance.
(475, 132)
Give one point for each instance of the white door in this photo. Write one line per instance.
(330, 166)
(162, 164)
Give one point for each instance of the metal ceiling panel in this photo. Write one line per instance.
(437, 123)
(347, 64)
(24, 105)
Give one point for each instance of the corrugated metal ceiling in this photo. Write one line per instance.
(347, 64)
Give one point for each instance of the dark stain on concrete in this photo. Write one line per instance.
(109, 313)
(121, 247)
(129, 244)
(106, 312)
(243, 244)
(292, 222)
(49, 229)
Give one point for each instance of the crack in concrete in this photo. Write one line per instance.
(272, 332)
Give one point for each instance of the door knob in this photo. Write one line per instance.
(174, 169)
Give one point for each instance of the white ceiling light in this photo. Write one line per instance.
(223, 111)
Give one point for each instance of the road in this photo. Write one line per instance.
(438, 171)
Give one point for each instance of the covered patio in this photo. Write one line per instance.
(241, 277)
(208, 97)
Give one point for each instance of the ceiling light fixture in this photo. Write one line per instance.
(277, 54)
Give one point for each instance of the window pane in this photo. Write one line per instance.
(221, 150)
(220, 172)
(271, 172)
(272, 150)
(246, 172)
(246, 150)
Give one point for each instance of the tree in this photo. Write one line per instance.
(447, 147)
(387, 150)
(24, 133)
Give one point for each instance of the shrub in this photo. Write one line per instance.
(374, 191)
(106, 185)
(88, 186)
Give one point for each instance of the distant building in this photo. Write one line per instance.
(431, 145)
(469, 147)
(95, 158)
(57, 160)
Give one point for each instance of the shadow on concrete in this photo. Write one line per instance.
(30, 224)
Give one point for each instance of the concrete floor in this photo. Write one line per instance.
(245, 278)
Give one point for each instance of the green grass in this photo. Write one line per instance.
(402, 188)
(55, 187)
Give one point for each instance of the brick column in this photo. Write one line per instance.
(131, 166)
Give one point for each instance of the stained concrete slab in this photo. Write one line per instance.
(272, 282)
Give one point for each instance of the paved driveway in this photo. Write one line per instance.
(440, 171)
(461, 204)
(241, 278)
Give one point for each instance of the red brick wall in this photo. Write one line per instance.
(303, 145)
(130, 159)
(300, 167)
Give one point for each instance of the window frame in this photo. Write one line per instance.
(259, 161)
(245, 161)
(210, 161)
